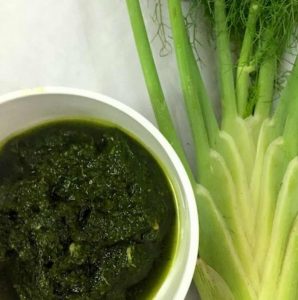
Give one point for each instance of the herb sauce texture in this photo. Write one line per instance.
(85, 213)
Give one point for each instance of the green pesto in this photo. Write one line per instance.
(85, 213)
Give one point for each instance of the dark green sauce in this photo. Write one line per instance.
(85, 213)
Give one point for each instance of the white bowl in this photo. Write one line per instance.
(24, 109)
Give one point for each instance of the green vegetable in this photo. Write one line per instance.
(246, 175)
(85, 213)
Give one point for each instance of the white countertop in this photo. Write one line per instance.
(85, 44)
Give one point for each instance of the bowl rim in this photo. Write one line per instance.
(189, 268)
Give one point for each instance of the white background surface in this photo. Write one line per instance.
(85, 44)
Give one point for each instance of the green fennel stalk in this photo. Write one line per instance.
(153, 83)
(247, 163)
(244, 64)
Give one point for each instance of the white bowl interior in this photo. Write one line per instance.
(19, 111)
